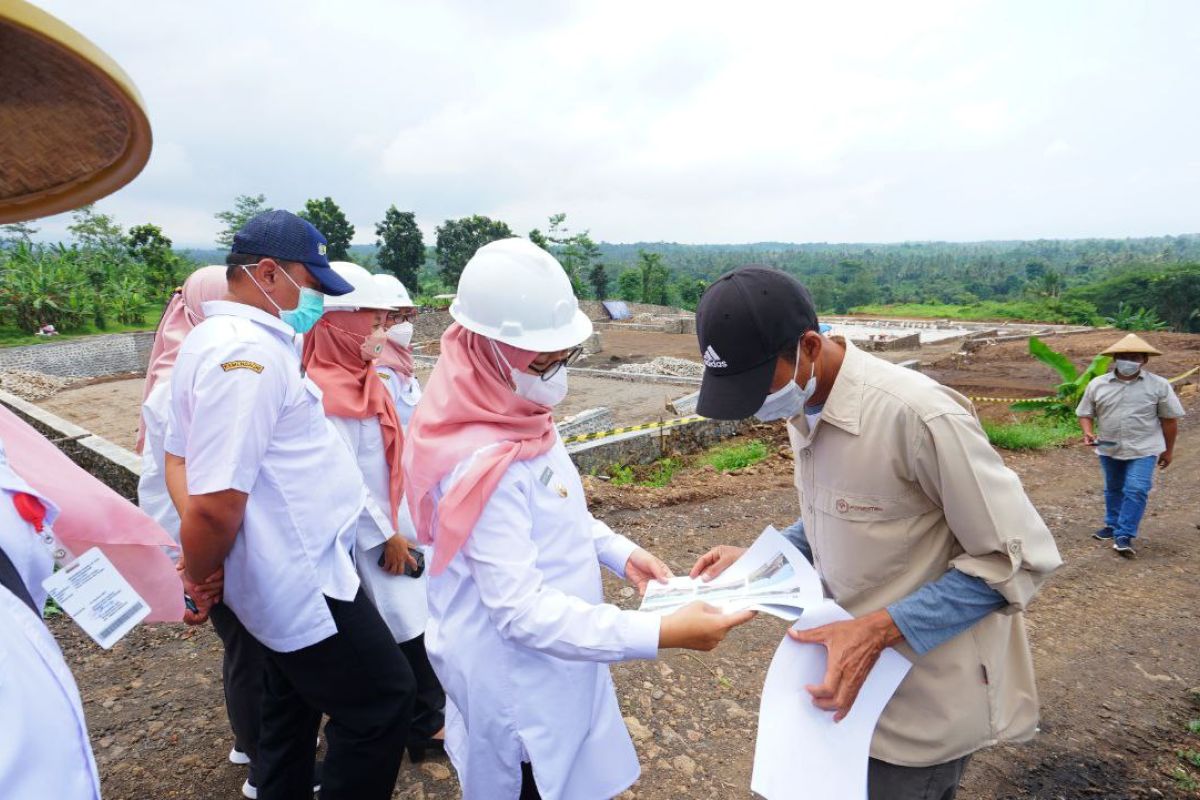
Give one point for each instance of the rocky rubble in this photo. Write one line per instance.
(665, 365)
(31, 385)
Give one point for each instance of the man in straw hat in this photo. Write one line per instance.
(1131, 417)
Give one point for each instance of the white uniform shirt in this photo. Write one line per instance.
(153, 497)
(44, 747)
(18, 539)
(405, 392)
(243, 418)
(518, 625)
(401, 600)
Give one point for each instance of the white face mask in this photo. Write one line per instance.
(1126, 368)
(543, 392)
(791, 399)
(401, 334)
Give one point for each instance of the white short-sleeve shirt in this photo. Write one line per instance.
(243, 418)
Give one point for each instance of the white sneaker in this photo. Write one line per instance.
(238, 757)
(248, 790)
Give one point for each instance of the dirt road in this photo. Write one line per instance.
(1117, 646)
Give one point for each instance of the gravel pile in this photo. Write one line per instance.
(665, 365)
(31, 385)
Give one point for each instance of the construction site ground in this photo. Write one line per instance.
(1116, 643)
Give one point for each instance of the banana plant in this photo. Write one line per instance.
(1070, 391)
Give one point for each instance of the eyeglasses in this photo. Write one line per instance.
(550, 370)
(406, 315)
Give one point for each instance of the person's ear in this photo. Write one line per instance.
(267, 273)
(810, 345)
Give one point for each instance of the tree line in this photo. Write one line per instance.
(110, 274)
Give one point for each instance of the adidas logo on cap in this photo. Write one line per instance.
(712, 360)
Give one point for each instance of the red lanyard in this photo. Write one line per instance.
(33, 511)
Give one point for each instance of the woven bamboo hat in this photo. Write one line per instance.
(1132, 344)
(72, 125)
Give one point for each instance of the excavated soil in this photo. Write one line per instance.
(1116, 643)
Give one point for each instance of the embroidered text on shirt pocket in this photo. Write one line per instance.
(864, 540)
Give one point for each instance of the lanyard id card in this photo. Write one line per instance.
(97, 597)
(32, 511)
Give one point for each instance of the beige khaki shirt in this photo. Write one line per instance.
(897, 485)
(1128, 413)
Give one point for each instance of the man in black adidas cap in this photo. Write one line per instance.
(910, 517)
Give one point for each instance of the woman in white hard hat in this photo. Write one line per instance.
(395, 363)
(519, 631)
(339, 356)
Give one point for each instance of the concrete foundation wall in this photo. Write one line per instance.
(646, 447)
(86, 357)
(593, 420)
(115, 466)
(910, 342)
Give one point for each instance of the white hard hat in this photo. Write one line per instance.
(366, 294)
(515, 292)
(393, 289)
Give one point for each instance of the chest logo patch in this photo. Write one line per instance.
(253, 366)
(843, 506)
(545, 477)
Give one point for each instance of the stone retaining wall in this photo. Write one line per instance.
(593, 420)
(85, 357)
(646, 447)
(114, 465)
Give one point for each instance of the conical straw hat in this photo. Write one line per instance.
(72, 125)
(1132, 344)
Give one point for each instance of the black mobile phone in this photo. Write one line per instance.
(418, 556)
(190, 604)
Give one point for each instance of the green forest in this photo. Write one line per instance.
(108, 277)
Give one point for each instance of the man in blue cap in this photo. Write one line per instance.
(273, 495)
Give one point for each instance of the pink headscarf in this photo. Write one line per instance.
(183, 313)
(93, 515)
(467, 406)
(397, 357)
(333, 359)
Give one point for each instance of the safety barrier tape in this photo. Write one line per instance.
(670, 423)
(975, 399)
(667, 423)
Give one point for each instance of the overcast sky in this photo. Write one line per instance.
(677, 121)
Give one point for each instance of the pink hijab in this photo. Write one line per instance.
(467, 406)
(183, 313)
(333, 359)
(397, 357)
(93, 515)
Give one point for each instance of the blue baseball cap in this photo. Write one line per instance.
(281, 234)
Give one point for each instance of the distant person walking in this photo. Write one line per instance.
(1132, 417)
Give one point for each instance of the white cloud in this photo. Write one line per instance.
(686, 121)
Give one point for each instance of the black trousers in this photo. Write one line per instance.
(891, 782)
(529, 790)
(242, 670)
(429, 707)
(358, 678)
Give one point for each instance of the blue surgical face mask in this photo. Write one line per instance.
(791, 399)
(1126, 368)
(306, 313)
